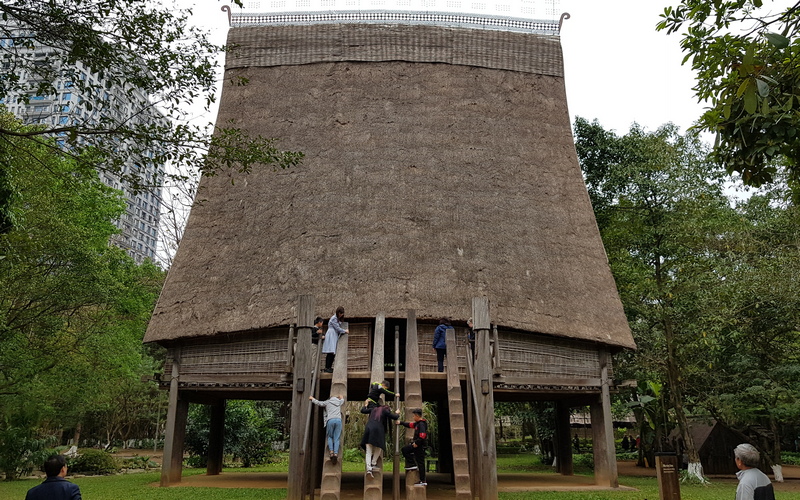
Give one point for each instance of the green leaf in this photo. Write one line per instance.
(763, 87)
(750, 100)
(779, 41)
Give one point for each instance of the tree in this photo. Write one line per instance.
(753, 354)
(72, 308)
(659, 205)
(108, 52)
(748, 70)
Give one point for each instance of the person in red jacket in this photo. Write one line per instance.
(414, 452)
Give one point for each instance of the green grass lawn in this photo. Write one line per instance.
(144, 486)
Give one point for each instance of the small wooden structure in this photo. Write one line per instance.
(440, 180)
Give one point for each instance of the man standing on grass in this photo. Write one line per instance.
(55, 487)
(753, 484)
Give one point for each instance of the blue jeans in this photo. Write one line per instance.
(334, 432)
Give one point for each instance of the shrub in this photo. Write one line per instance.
(22, 451)
(790, 458)
(583, 460)
(94, 462)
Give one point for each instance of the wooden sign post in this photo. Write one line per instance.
(667, 471)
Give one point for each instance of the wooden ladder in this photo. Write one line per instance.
(331, 486)
(413, 399)
(373, 484)
(458, 432)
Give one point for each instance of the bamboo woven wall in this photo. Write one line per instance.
(528, 356)
(244, 357)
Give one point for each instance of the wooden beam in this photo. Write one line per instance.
(485, 397)
(299, 460)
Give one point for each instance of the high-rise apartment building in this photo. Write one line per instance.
(67, 105)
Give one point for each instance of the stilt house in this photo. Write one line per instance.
(440, 179)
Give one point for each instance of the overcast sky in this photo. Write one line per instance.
(620, 70)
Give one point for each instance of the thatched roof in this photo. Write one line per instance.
(439, 166)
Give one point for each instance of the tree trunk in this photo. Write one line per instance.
(676, 395)
(76, 438)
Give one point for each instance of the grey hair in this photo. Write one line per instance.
(748, 454)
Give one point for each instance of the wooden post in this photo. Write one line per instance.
(603, 449)
(485, 397)
(175, 431)
(216, 438)
(413, 398)
(563, 441)
(299, 460)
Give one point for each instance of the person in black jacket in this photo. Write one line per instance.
(55, 487)
(374, 440)
(414, 452)
(375, 391)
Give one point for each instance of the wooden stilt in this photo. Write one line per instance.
(216, 438)
(299, 459)
(485, 398)
(177, 412)
(563, 440)
(603, 450)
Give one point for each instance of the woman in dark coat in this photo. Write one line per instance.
(374, 440)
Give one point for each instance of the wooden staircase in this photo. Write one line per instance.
(331, 485)
(413, 399)
(373, 484)
(458, 432)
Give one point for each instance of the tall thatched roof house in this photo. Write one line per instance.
(439, 167)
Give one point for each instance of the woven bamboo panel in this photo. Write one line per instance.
(527, 355)
(427, 354)
(262, 354)
(264, 46)
(359, 348)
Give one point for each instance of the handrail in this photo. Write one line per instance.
(396, 478)
(290, 350)
(314, 375)
(471, 375)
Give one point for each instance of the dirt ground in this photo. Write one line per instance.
(438, 484)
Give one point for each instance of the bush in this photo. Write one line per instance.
(583, 460)
(94, 462)
(790, 458)
(22, 451)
